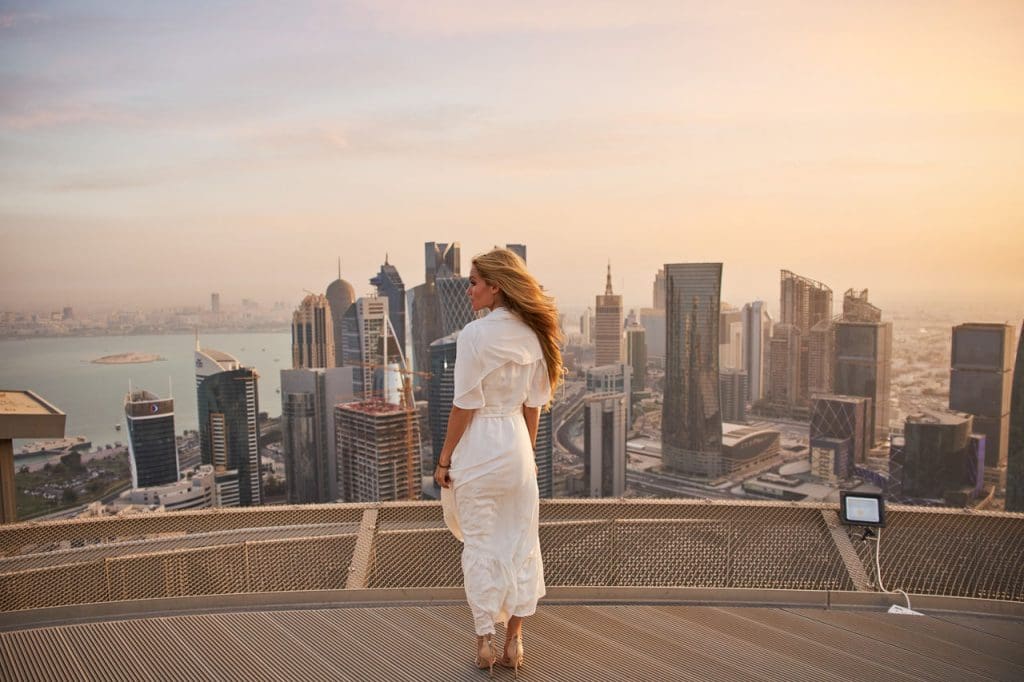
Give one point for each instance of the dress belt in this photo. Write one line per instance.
(499, 412)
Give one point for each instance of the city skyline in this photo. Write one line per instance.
(764, 138)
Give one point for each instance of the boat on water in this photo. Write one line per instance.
(58, 446)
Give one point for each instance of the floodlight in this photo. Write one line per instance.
(862, 509)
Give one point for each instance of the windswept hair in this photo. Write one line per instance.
(526, 299)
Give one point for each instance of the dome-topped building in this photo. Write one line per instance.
(340, 295)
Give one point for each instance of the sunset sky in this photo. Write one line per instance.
(155, 152)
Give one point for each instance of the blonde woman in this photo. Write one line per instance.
(507, 366)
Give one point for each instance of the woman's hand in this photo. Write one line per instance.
(441, 476)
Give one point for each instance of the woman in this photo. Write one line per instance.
(507, 366)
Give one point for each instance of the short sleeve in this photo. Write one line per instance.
(469, 394)
(540, 386)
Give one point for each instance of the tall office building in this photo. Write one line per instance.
(757, 335)
(937, 457)
(518, 249)
(442, 260)
(313, 334)
(587, 325)
(691, 417)
(390, 286)
(228, 433)
(653, 322)
(340, 295)
(604, 444)
(1015, 449)
(783, 385)
(839, 434)
(863, 352)
(544, 453)
(371, 345)
(803, 304)
(380, 444)
(442, 390)
(820, 358)
(455, 306)
(636, 356)
(608, 325)
(308, 398)
(152, 447)
(215, 303)
(659, 290)
(732, 387)
(730, 338)
(856, 307)
(980, 384)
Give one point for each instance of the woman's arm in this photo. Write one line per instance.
(458, 420)
(532, 416)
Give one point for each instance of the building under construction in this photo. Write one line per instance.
(378, 442)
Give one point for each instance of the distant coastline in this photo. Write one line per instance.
(127, 359)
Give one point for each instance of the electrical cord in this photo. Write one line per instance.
(878, 570)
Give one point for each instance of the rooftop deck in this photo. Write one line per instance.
(641, 589)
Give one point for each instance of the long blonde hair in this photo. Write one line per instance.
(526, 299)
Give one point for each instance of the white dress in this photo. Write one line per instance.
(499, 367)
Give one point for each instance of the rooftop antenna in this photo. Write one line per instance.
(339, 267)
(197, 340)
(170, 388)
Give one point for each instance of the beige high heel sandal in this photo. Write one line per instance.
(514, 654)
(485, 656)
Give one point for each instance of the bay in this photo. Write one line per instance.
(92, 395)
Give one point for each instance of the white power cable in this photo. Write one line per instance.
(878, 570)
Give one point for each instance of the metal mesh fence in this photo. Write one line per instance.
(644, 543)
(964, 555)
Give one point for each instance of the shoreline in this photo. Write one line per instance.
(128, 359)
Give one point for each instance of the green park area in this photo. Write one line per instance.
(70, 482)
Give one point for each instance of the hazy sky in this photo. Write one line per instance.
(160, 151)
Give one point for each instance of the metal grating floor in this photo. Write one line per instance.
(563, 642)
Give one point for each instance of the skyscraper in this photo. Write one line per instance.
(980, 384)
(442, 260)
(586, 325)
(783, 385)
(730, 338)
(691, 417)
(389, 285)
(653, 321)
(152, 447)
(215, 303)
(1015, 449)
(308, 398)
(659, 290)
(864, 367)
(757, 335)
(442, 389)
(228, 432)
(608, 325)
(379, 443)
(856, 307)
(803, 304)
(839, 435)
(604, 444)
(820, 358)
(518, 249)
(543, 453)
(371, 346)
(732, 386)
(340, 296)
(313, 334)
(636, 355)
(455, 306)
(937, 456)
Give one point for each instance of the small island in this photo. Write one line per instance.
(127, 359)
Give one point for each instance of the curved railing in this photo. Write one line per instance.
(586, 543)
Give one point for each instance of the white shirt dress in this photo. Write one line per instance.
(493, 505)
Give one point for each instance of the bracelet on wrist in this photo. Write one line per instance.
(444, 466)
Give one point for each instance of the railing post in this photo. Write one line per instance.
(854, 566)
(362, 553)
